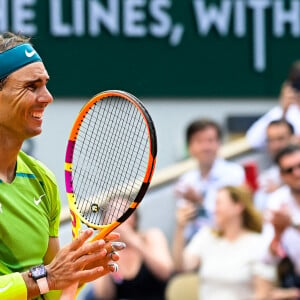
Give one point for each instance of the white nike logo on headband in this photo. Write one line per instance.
(29, 54)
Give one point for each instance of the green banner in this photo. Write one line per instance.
(161, 48)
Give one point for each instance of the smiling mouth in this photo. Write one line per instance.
(37, 115)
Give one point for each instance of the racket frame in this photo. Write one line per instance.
(76, 216)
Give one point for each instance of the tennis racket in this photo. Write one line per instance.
(110, 160)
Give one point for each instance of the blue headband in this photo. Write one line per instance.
(16, 58)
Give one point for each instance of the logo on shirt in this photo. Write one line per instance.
(38, 201)
(6, 287)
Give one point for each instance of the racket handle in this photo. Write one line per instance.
(69, 293)
(104, 232)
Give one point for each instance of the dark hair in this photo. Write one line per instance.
(282, 122)
(200, 125)
(9, 40)
(294, 75)
(289, 149)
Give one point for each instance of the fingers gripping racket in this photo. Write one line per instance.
(110, 160)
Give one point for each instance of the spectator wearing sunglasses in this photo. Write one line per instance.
(283, 218)
(280, 133)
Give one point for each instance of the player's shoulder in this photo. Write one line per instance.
(37, 167)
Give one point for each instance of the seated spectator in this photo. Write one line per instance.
(198, 187)
(280, 133)
(283, 216)
(145, 268)
(288, 108)
(229, 256)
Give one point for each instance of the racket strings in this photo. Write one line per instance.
(135, 123)
(119, 190)
(89, 121)
(105, 162)
(119, 153)
(110, 159)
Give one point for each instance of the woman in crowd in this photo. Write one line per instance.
(145, 269)
(228, 256)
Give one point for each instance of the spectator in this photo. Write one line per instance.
(279, 134)
(288, 109)
(198, 187)
(283, 215)
(144, 268)
(229, 256)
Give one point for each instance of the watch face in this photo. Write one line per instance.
(38, 272)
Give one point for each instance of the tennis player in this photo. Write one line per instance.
(32, 265)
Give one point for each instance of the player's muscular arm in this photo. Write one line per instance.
(53, 248)
(18, 286)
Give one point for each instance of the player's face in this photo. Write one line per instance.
(23, 100)
(226, 209)
(204, 145)
(290, 170)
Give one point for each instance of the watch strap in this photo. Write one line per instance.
(43, 285)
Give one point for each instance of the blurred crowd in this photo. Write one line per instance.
(241, 238)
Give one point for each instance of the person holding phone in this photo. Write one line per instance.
(288, 109)
(227, 255)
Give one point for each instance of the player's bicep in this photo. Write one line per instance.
(53, 248)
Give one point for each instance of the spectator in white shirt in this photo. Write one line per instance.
(283, 214)
(280, 133)
(198, 187)
(228, 257)
(288, 108)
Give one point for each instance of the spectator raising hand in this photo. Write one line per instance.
(288, 96)
(229, 254)
(287, 108)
